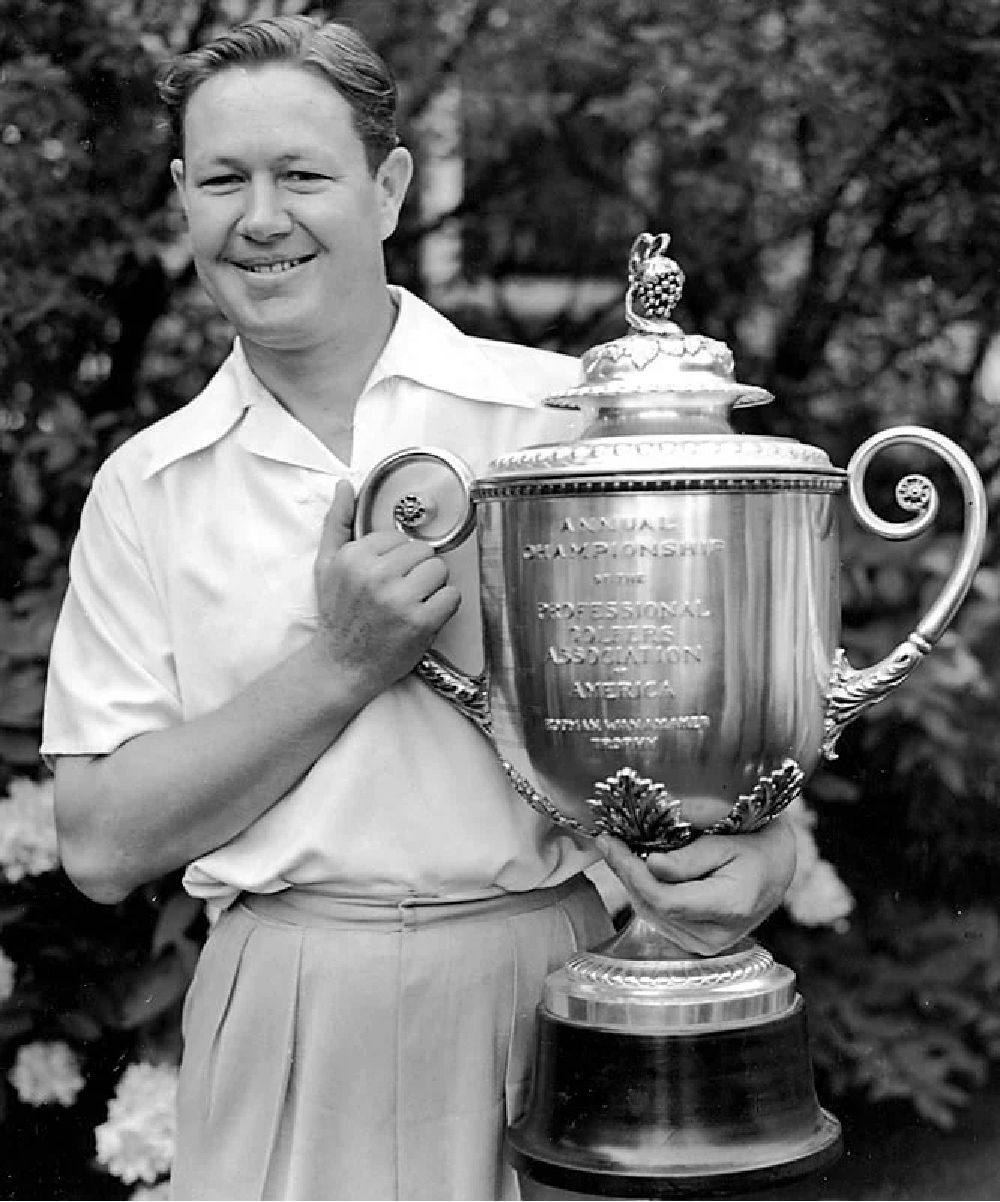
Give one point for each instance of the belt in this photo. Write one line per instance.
(308, 907)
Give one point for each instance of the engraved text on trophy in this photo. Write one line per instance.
(646, 634)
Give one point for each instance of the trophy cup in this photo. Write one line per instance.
(661, 612)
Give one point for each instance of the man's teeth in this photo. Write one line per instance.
(273, 268)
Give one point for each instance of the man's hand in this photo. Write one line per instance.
(706, 896)
(382, 598)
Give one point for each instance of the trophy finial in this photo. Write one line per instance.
(655, 284)
(656, 366)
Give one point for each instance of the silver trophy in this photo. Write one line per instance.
(661, 611)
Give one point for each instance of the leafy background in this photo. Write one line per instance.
(830, 177)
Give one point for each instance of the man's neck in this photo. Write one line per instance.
(320, 385)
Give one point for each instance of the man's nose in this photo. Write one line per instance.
(265, 214)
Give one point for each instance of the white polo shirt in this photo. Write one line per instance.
(193, 573)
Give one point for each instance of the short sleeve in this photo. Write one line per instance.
(111, 669)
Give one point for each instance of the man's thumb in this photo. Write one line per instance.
(339, 526)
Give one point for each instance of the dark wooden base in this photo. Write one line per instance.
(639, 1115)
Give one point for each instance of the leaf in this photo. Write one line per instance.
(21, 700)
(940, 1113)
(827, 786)
(152, 990)
(14, 1025)
(178, 913)
(12, 914)
(77, 1025)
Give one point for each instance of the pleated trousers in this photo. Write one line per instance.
(337, 1048)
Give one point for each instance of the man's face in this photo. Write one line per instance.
(286, 221)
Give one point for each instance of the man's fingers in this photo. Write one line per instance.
(426, 578)
(615, 852)
(694, 861)
(338, 529)
(629, 869)
(690, 897)
(442, 605)
(397, 553)
(706, 896)
(698, 859)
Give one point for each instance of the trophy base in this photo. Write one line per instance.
(664, 1078)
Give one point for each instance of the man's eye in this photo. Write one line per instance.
(221, 181)
(304, 177)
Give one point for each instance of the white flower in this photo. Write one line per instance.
(821, 899)
(44, 1073)
(8, 973)
(151, 1193)
(27, 829)
(137, 1141)
(817, 896)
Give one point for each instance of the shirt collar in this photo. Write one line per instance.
(424, 347)
(205, 420)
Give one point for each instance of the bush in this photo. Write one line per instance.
(838, 223)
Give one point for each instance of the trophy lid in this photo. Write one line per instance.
(659, 401)
(657, 356)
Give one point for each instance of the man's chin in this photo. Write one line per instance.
(273, 336)
(275, 323)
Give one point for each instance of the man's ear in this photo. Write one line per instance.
(392, 180)
(177, 175)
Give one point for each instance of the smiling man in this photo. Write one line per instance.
(231, 689)
(288, 209)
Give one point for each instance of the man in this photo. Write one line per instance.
(231, 684)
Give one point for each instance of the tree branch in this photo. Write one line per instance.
(445, 60)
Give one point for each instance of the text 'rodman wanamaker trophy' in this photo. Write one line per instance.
(661, 611)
